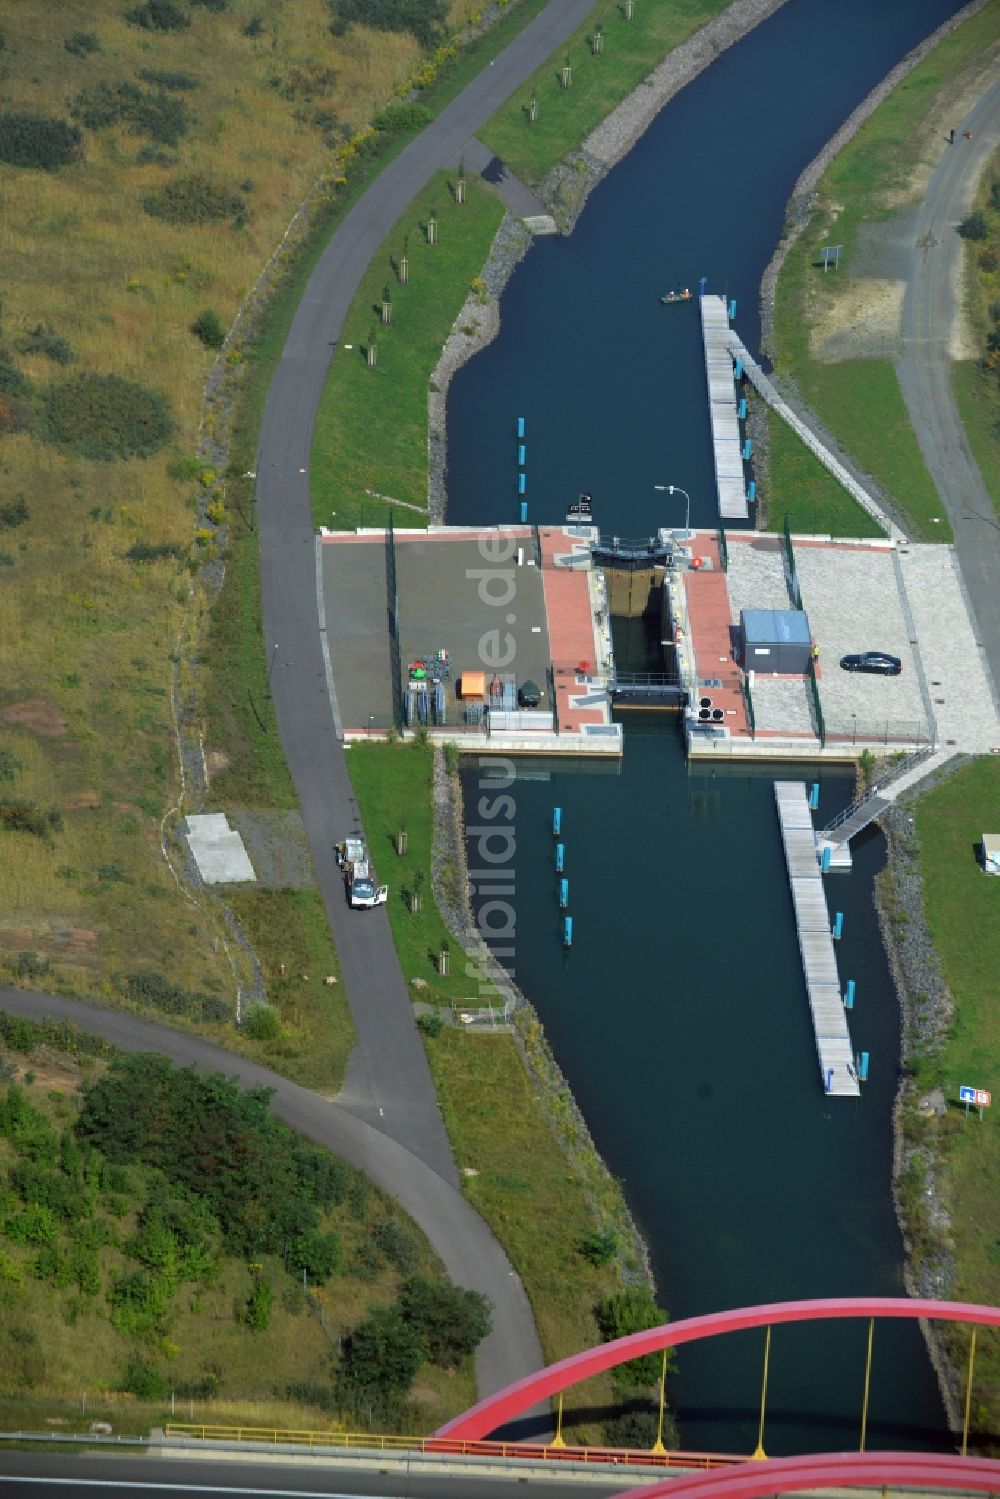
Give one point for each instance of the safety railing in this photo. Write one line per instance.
(814, 696)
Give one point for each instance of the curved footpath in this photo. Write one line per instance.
(470, 1253)
(388, 1081)
(930, 313)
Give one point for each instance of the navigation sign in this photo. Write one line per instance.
(978, 1096)
(831, 252)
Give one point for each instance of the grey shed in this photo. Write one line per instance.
(775, 640)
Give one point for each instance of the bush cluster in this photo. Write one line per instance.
(261, 1021)
(12, 382)
(28, 817)
(82, 43)
(423, 19)
(44, 340)
(105, 417)
(403, 116)
(208, 327)
(220, 1144)
(158, 115)
(159, 15)
(180, 81)
(28, 140)
(154, 551)
(14, 513)
(194, 199)
(148, 987)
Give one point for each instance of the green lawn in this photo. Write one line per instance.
(393, 787)
(632, 50)
(801, 488)
(977, 394)
(860, 400)
(371, 430)
(963, 913)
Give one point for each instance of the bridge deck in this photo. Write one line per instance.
(812, 921)
(727, 445)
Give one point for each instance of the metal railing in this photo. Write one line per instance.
(748, 704)
(392, 606)
(876, 789)
(814, 695)
(908, 733)
(723, 549)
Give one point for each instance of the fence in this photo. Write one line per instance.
(906, 733)
(723, 549)
(392, 605)
(814, 696)
(748, 701)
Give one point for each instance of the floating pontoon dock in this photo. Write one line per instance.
(812, 921)
(726, 444)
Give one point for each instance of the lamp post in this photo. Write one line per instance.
(676, 489)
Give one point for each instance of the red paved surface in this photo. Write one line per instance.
(571, 632)
(709, 622)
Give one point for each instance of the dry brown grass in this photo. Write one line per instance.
(81, 628)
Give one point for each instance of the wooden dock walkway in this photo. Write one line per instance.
(812, 920)
(727, 445)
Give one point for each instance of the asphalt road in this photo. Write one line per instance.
(470, 1253)
(924, 367)
(59, 1476)
(388, 1081)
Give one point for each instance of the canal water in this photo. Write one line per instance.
(680, 1014)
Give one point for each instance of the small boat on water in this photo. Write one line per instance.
(670, 297)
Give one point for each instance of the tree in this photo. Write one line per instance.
(318, 1254)
(628, 1311)
(381, 1355)
(975, 225)
(450, 1322)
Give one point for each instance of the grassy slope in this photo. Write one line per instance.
(976, 386)
(860, 399)
(371, 429)
(55, 1341)
(800, 488)
(566, 116)
(963, 913)
(81, 629)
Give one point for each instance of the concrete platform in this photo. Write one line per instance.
(217, 850)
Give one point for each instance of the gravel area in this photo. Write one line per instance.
(756, 576)
(277, 845)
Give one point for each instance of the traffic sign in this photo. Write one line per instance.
(983, 1099)
(966, 1095)
(978, 1096)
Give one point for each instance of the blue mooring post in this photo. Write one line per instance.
(702, 286)
(838, 926)
(849, 995)
(524, 511)
(825, 860)
(521, 450)
(738, 371)
(568, 931)
(752, 491)
(521, 484)
(520, 426)
(557, 819)
(828, 1080)
(732, 309)
(814, 796)
(747, 448)
(563, 894)
(863, 1067)
(743, 409)
(560, 857)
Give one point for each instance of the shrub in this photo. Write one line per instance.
(431, 1023)
(155, 156)
(380, 1357)
(989, 259)
(254, 27)
(143, 1380)
(161, 117)
(400, 1247)
(628, 1311)
(422, 18)
(396, 117)
(158, 15)
(255, 1310)
(218, 6)
(995, 194)
(194, 199)
(28, 817)
(28, 140)
(208, 327)
(636, 1423)
(318, 1254)
(182, 82)
(44, 340)
(599, 1247)
(12, 382)
(148, 551)
(10, 765)
(146, 986)
(105, 417)
(450, 1322)
(82, 43)
(261, 1021)
(975, 225)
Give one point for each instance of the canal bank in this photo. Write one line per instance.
(843, 1220)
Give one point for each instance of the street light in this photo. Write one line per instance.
(676, 489)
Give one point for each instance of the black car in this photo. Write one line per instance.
(879, 662)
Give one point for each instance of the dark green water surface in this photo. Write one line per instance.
(680, 1015)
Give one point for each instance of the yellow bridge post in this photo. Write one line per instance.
(658, 1446)
(557, 1440)
(868, 1380)
(968, 1393)
(758, 1452)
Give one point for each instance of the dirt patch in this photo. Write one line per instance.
(61, 1076)
(35, 714)
(277, 845)
(81, 800)
(863, 323)
(216, 761)
(63, 941)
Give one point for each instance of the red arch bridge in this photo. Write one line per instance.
(729, 1477)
